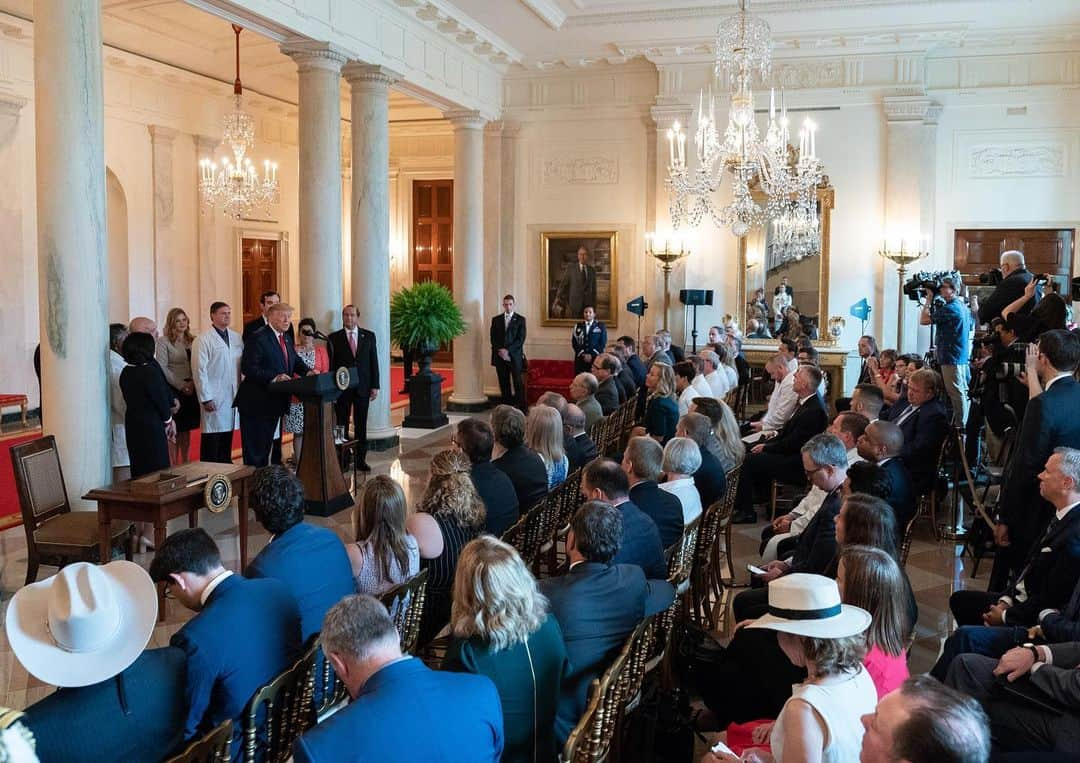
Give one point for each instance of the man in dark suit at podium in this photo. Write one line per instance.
(266, 300)
(508, 353)
(269, 356)
(354, 347)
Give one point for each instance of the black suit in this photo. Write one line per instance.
(592, 342)
(527, 472)
(637, 368)
(627, 384)
(497, 492)
(512, 339)
(597, 606)
(588, 448)
(710, 479)
(257, 323)
(1004, 294)
(366, 362)
(1052, 420)
(677, 353)
(607, 394)
(574, 453)
(261, 408)
(901, 496)
(577, 290)
(924, 432)
(662, 507)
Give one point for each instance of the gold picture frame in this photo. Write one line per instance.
(560, 287)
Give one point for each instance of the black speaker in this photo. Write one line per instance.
(696, 296)
(637, 306)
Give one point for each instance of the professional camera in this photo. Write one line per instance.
(1009, 361)
(991, 277)
(930, 279)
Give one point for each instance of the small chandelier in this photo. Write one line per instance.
(235, 186)
(743, 49)
(796, 232)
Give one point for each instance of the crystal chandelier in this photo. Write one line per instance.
(235, 186)
(796, 232)
(743, 51)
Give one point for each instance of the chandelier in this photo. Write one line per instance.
(796, 232)
(768, 163)
(235, 186)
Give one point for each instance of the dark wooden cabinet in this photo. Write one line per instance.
(1046, 250)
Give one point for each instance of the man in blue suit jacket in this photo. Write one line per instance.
(642, 462)
(400, 709)
(269, 356)
(639, 544)
(925, 426)
(598, 604)
(245, 632)
(310, 561)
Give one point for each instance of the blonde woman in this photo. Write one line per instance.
(661, 406)
(502, 629)
(544, 434)
(450, 514)
(384, 554)
(173, 353)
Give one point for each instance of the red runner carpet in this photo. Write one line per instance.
(9, 498)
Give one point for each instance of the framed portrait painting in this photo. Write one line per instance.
(578, 269)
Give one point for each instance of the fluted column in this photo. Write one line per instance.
(370, 288)
(69, 120)
(161, 165)
(469, 259)
(321, 291)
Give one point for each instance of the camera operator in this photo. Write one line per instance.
(999, 393)
(1015, 278)
(1030, 322)
(953, 321)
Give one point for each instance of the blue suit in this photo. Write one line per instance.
(311, 562)
(247, 633)
(137, 715)
(408, 712)
(640, 544)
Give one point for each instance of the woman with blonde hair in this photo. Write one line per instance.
(384, 554)
(450, 514)
(661, 406)
(502, 629)
(173, 353)
(544, 434)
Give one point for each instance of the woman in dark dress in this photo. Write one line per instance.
(148, 421)
(450, 514)
(501, 629)
(661, 409)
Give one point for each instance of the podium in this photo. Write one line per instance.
(325, 490)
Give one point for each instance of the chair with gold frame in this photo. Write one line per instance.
(405, 603)
(212, 747)
(280, 712)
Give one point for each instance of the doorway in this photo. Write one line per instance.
(259, 272)
(1046, 250)
(433, 239)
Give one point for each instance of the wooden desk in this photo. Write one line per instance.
(116, 501)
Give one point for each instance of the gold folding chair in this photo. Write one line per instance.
(213, 747)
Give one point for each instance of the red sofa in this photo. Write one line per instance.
(548, 376)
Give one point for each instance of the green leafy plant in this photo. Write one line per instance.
(424, 315)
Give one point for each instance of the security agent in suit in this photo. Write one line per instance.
(992, 622)
(266, 300)
(508, 353)
(605, 480)
(577, 290)
(400, 708)
(224, 668)
(355, 347)
(310, 561)
(925, 426)
(882, 443)
(269, 356)
(1011, 288)
(1051, 420)
(589, 340)
(598, 603)
(642, 462)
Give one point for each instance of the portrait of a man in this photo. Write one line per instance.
(578, 270)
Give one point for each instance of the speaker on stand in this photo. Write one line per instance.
(638, 306)
(693, 298)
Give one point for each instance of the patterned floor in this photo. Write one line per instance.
(934, 570)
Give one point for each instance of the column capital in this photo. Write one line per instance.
(911, 108)
(369, 76)
(315, 55)
(161, 134)
(465, 119)
(666, 114)
(506, 128)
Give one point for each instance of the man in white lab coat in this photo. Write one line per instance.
(215, 365)
(121, 463)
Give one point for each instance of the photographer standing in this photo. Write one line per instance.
(953, 321)
(1016, 277)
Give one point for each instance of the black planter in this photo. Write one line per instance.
(425, 394)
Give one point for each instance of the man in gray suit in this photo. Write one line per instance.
(577, 288)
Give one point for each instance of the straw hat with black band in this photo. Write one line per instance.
(809, 605)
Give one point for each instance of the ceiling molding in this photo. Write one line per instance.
(548, 11)
(243, 18)
(463, 30)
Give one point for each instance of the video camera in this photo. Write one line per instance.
(929, 279)
(991, 277)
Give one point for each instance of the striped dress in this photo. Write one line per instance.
(441, 571)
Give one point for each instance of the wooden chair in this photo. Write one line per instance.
(707, 582)
(565, 500)
(405, 603)
(56, 535)
(905, 544)
(213, 747)
(282, 710)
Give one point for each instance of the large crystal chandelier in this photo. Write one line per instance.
(796, 232)
(235, 186)
(743, 51)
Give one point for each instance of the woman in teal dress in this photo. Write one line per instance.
(661, 408)
(502, 630)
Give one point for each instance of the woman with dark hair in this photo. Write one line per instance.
(173, 353)
(148, 421)
(1047, 315)
(315, 355)
(384, 554)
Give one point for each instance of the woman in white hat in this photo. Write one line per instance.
(821, 721)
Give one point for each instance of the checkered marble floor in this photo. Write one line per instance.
(935, 570)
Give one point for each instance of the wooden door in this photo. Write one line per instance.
(259, 266)
(433, 238)
(1046, 250)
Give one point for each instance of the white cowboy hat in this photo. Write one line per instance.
(809, 605)
(85, 624)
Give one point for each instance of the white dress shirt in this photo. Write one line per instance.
(782, 404)
(702, 386)
(686, 491)
(718, 384)
(685, 398)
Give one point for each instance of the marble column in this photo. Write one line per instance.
(321, 291)
(69, 120)
(161, 154)
(469, 259)
(370, 204)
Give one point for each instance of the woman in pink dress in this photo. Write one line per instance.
(316, 356)
(871, 579)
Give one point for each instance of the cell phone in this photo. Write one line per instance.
(721, 747)
(755, 570)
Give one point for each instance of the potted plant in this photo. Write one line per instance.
(423, 317)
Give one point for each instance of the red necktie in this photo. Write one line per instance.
(352, 342)
(284, 350)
